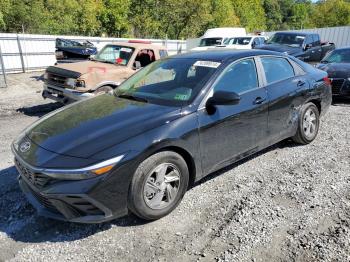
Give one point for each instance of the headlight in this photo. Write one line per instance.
(84, 173)
(349, 79)
(80, 83)
(46, 76)
(70, 82)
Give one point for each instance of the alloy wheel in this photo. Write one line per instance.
(162, 186)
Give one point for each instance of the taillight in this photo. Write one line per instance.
(327, 81)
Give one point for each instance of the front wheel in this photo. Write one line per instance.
(309, 122)
(158, 185)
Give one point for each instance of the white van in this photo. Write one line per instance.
(216, 36)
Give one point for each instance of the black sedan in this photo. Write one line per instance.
(169, 125)
(337, 65)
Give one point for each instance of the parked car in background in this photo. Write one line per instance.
(169, 125)
(304, 46)
(69, 51)
(243, 42)
(337, 65)
(216, 36)
(107, 70)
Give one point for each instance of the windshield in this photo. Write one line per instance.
(337, 56)
(172, 82)
(287, 39)
(115, 54)
(211, 41)
(238, 41)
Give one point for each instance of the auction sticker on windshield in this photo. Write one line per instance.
(125, 49)
(211, 64)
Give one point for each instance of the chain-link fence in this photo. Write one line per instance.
(2, 71)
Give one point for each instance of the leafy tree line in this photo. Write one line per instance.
(174, 19)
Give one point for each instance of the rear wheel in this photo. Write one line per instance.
(309, 122)
(158, 185)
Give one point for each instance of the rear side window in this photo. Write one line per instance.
(277, 69)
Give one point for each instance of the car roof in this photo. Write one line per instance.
(139, 45)
(223, 55)
(296, 33)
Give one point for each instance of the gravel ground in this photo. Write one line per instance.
(287, 203)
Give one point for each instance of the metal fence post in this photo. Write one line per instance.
(3, 70)
(20, 53)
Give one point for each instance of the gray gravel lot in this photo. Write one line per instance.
(287, 203)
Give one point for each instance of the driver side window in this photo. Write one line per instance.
(238, 77)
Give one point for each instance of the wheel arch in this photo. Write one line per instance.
(317, 103)
(186, 156)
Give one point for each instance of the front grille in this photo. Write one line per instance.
(337, 85)
(56, 80)
(37, 179)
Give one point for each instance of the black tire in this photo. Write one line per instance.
(301, 135)
(103, 90)
(136, 198)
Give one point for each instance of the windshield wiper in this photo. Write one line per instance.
(324, 61)
(132, 97)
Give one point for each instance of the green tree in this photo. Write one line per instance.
(4, 11)
(273, 15)
(25, 16)
(114, 17)
(301, 13)
(251, 14)
(222, 14)
(331, 13)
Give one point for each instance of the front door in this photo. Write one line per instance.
(233, 131)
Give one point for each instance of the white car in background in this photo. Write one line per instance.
(216, 36)
(243, 42)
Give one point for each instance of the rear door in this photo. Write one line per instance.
(285, 89)
(234, 130)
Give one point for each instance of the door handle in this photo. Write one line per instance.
(301, 83)
(259, 100)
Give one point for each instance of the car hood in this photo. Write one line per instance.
(281, 48)
(86, 67)
(90, 126)
(83, 50)
(336, 70)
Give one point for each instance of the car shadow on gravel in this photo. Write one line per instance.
(20, 221)
(341, 101)
(39, 110)
(38, 78)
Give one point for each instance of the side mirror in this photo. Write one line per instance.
(308, 46)
(224, 98)
(136, 65)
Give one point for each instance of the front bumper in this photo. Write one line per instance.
(93, 200)
(340, 87)
(63, 95)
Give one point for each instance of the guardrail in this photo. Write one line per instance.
(25, 52)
